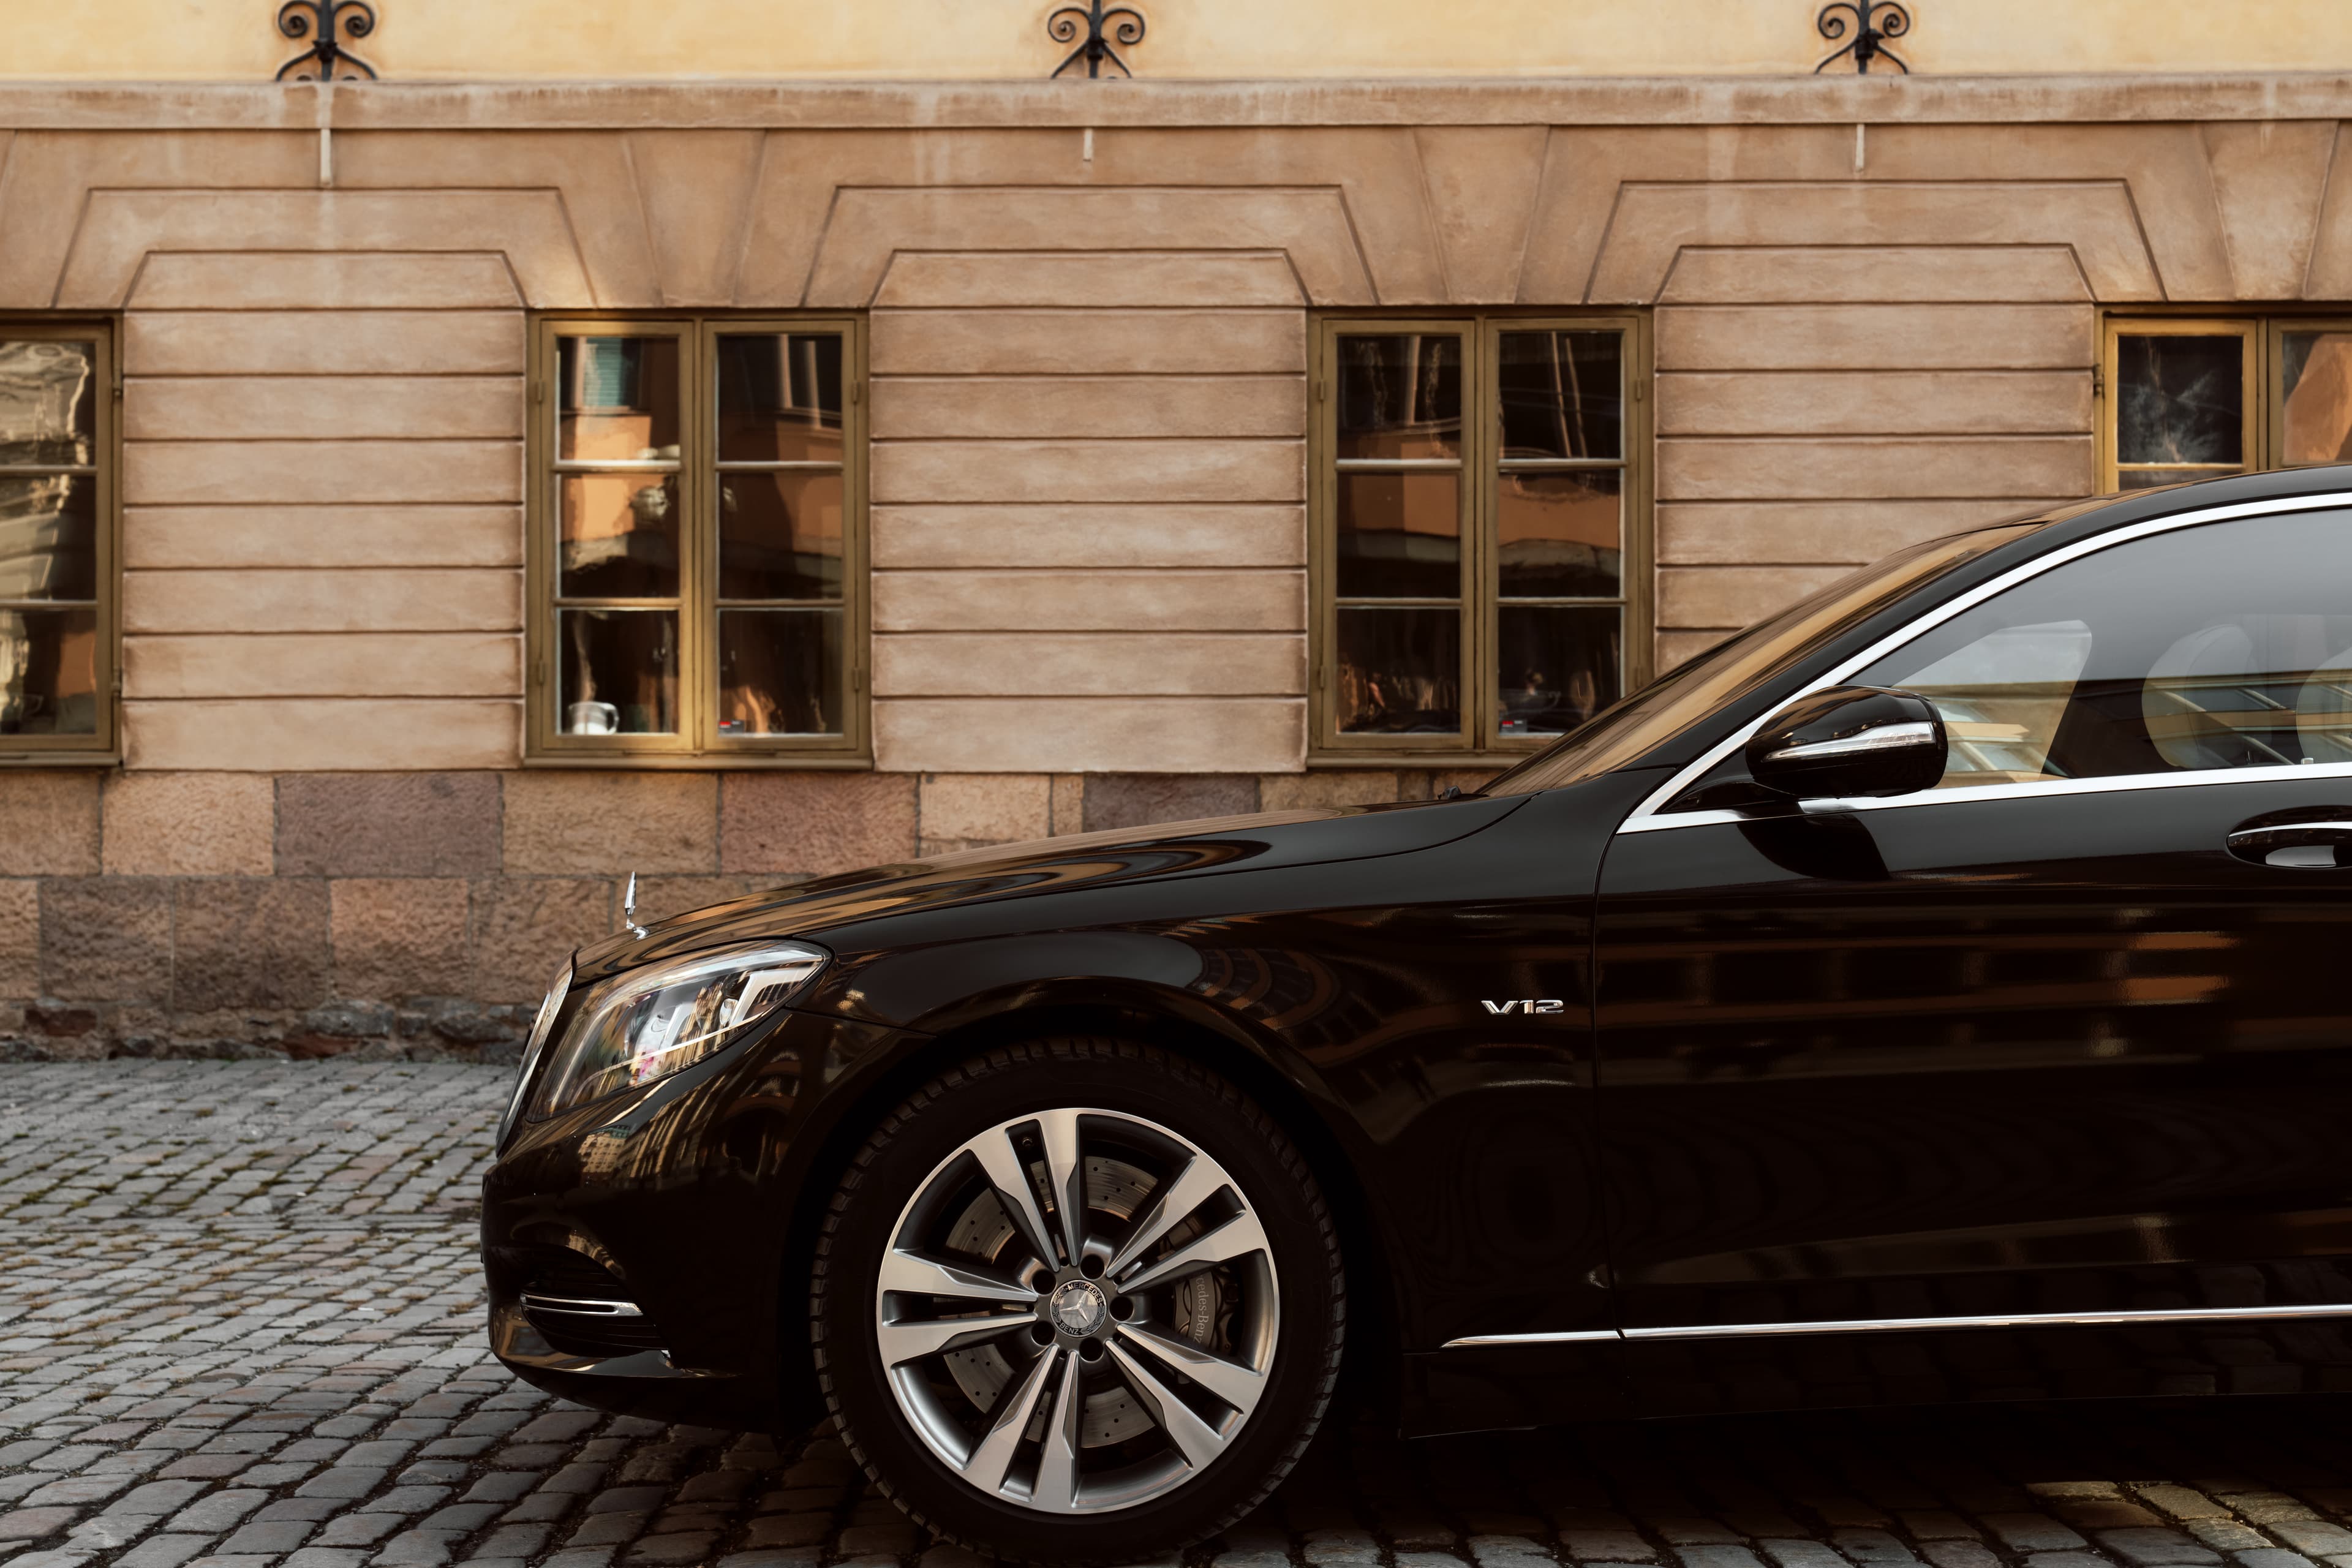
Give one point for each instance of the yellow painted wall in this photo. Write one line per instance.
(446, 40)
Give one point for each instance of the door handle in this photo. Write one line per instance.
(2311, 845)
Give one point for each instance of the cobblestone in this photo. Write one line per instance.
(240, 1323)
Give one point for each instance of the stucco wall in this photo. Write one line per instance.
(921, 40)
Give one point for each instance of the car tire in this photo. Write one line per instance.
(1118, 1399)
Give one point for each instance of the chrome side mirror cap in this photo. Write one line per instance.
(1849, 741)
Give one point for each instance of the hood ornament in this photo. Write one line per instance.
(629, 908)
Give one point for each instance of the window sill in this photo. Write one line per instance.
(9, 759)
(1448, 761)
(702, 762)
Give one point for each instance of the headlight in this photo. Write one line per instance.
(651, 1022)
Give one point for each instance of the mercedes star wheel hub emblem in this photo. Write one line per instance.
(1079, 1307)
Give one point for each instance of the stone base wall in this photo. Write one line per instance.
(423, 914)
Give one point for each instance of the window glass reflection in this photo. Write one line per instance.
(780, 672)
(617, 399)
(48, 538)
(779, 397)
(619, 536)
(1556, 664)
(1558, 533)
(617, 672)
(1399, 670)
(1400, 396)
(1400, 535)
(1562, 395)
(779, 535)
(48, 672)
(2315, 378)
(2180, 401)
(48, 402)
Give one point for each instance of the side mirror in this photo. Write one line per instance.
(1850, 741)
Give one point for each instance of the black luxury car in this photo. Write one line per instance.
(1939, 991)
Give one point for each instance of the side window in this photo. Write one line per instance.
(2227, 644)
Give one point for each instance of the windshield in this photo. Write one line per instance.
(1684, 696)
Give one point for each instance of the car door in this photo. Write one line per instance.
(2036, 1082)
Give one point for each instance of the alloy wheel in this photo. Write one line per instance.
(1078, 1310)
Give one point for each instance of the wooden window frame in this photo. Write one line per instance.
(2263, 365)
(2253, 372)
(697, 743)
(1477, 743)
(103, 747)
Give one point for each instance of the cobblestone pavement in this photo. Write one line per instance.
(239, 1324)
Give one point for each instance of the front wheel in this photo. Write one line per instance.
(1078, 1300)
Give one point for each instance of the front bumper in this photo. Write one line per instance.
(689, 1201)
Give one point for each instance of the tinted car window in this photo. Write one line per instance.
(2225, 645)
(1621, 735)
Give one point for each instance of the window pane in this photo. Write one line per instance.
(48, 672)
(2228, 645)
(1401, 395)
(48, 539)
(618, 672)
(1400, 672)
(48, 402)
(1558, 664)
(779, 535)
(780, 672)
(616, 398)
(1562, 395)
(1558, 535)
(2317, 378)
(619, 536)
(779, 398)
(1399, 536)
(2180, 400)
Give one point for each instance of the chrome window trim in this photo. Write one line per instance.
(1650, 816)
(2124, 1317)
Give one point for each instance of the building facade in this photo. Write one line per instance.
(738, 448)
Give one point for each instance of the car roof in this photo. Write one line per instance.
(2079, 519)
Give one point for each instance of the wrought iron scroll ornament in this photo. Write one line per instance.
(1123, 24)
(328, 23)
(1874, 22)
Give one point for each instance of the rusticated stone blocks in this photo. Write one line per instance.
(387, 824)
(188, 824)
(523, 926)
(250, 941)
(600, 824)
(814, 823)
(107, 938)
(1134, 800)
(400, 936)
(48, 824)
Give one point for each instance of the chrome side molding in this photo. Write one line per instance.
(1898, 1325)
(580, 1306)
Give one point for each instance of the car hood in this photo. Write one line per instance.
(835, 907)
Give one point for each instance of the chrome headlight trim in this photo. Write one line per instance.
(541, 1025)
(644, 1025)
